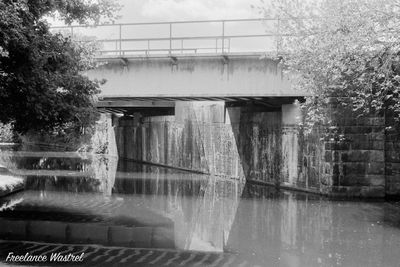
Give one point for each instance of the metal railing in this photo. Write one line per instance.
(180, 37)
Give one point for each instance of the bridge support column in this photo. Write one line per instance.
(291, 116)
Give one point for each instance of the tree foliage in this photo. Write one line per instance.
(346, 48)
(41, 82)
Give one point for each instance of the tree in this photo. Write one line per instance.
(346, 48)
(41, 85)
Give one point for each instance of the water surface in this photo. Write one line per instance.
(83, 199)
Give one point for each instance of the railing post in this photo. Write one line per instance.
(120, 39)
(170, 38)
(223, 35)
(278, 36)
(182, 46)
(72, 32)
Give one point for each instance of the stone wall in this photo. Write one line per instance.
(392, 160)
(358, 161)
(356, 156)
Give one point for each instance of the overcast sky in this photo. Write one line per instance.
(171, 10)
(183, 10)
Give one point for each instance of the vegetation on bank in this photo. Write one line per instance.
(348, 49)
(42, 89)
(7, 134)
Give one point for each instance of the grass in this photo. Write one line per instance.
(9, 182)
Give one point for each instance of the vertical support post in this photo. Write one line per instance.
(223, 35)
(72, 32)
(182, 46)
(216, 45)
(170, 38)
(120, 39)
(148, 47)
(278, 36)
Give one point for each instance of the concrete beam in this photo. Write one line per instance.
(134, 103)
(195, 76)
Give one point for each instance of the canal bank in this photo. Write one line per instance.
(9, 182)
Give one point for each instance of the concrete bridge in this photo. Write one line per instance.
(214, 103)
(158, 82)
(153, 65)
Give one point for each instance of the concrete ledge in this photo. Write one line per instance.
(286, 187)
(9, 183)
(88, 233)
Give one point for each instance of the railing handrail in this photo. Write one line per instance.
(183, 38)
(162, 23)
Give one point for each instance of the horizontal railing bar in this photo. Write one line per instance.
(144, 50)
(167, 22)
(184, 38)
(178, 55)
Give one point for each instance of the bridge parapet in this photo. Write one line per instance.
(152, 65)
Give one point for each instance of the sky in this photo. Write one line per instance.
(134, 11)
(172, 10)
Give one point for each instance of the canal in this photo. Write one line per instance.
(119, 212)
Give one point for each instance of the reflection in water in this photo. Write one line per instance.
(99, 200)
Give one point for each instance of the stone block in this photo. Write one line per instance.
(392, 156)
(141, 236)
(393, 186)
(354, 168)
(376, 180)
(337, 145)
(355, 155)
(358, 191)
(120, 236)
(392, 137)
(376, 136)
(345, 191)
(12, 229)
(48, 231)
(87, 233)
(377, 145)
(373, 191)
(163, 237)
(363, 156)
(394, 167)
(354, 180)
(375, 168)
(377, 155)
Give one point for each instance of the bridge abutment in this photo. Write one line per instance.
(265, 145)
(250, 143)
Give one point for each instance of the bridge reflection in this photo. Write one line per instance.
(134, 205)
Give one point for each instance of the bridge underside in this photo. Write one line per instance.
(153, 106)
